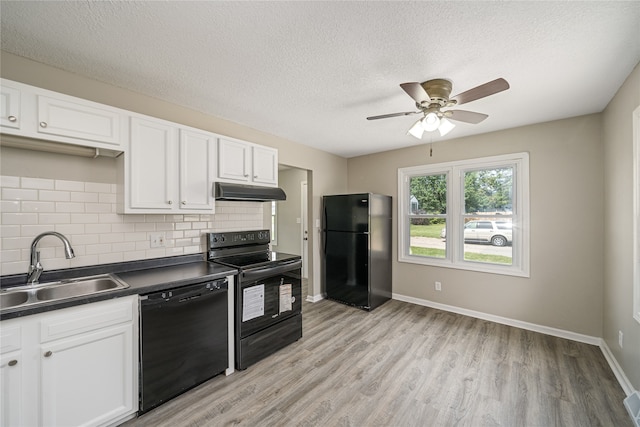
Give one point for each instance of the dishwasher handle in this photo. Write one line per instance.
(184, 294)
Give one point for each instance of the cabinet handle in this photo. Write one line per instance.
(184, 202)
(12, 119)
(170, 202)
(48, 354)
(43, 124)
(246, 175)
(255, 176)
(13, 363)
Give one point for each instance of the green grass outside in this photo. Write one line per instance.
(468, 256)
(434, 232)
(426, 230)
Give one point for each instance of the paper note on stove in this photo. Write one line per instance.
(285, 298)
(252, 302)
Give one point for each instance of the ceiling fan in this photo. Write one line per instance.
(433, 95)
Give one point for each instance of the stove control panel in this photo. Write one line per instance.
(238, 238)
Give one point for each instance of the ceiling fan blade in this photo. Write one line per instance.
(386, 116)
(490, 88)
(416, 91)
(465, 116)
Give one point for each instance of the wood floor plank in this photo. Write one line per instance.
(408, 365)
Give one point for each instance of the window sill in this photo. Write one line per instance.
(467, 265)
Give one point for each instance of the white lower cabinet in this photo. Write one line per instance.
(75, 366)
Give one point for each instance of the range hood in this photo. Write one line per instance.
(248, 193)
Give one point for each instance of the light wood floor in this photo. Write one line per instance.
(407, 365)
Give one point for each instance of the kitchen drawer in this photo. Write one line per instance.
(82, 319)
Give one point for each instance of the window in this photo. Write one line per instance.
(471, 214)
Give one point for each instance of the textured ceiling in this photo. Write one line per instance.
(312, 71)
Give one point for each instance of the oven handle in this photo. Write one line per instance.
(252, 274)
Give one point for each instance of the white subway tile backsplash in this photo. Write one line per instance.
(9, 181)
(85, 212)
(69, 207)
(84, 197)
(54, 195)
(19, 218)
(9, 230)
(69, 185)
(19, 194)
(97, 187)
(10, 205)
(32, 206)
(54, 218)
(69, 229)
(146, 226)
(84, 218)
(37, 183)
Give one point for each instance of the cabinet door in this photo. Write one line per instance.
(87, 379)
(234, 160)
(78, 120)
(11, 365)
(197, 152)
(12, 375)
(153, 165)
(10, 107)
(265, 165)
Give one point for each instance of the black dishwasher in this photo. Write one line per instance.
(183, 338)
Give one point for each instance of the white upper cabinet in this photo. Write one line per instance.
(234, 160)
(265, 165)
(153, 165)
(167, 169)
(10, 115)
(197, 157)
(247, 163)
(35, 113)
(78, 119)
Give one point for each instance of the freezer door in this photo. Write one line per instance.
(348, 212)
(347, 267)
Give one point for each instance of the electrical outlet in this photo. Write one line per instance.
(438, 286)
(156, 240)
(620, 338)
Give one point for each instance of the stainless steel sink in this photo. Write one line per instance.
(12, 299)
(77, 288)
(25, 296)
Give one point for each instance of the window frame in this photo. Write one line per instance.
(636, 214)
(454, 254)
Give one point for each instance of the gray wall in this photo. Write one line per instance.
(618, 225)
(566, 198)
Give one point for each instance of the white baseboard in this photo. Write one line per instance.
(615, 367)
(561, 333)
(315, 298)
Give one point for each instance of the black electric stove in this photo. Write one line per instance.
(268, 293)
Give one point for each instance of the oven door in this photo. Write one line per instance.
(268, 295)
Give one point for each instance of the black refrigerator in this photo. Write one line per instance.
(357, 249)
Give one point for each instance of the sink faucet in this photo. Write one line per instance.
(35, 269)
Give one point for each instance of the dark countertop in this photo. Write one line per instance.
(143, 277)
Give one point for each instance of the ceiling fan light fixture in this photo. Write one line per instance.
(430, 122)
(445, 126)
(417, 130)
